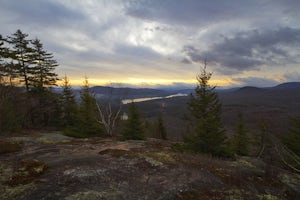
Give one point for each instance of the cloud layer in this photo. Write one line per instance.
(161, 42)
(252, 49)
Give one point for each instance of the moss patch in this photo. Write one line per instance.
(267, 197)
(26, 171)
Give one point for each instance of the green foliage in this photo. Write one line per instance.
(69, 105)
(29, 62)
(25, 63)
(292, 139)
(43, 66)
(133, 127)
(21, 56)
(208, 135)
(12, 109)
(44, 108)
(240, 141)
(87, 116)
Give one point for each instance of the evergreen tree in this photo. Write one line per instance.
(69, 105)
(88, 125)
(32, 66)
(133, 129)
(208, 135)
(161, 128)
(40, 75)
(43, 66)
(240, 140)
(21, 53)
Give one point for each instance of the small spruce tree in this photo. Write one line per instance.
(69, 105)
(208, 135)
(133, 127)
(88, 125)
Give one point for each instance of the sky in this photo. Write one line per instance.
(157, 43)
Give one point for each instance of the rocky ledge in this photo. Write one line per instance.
(53, 166)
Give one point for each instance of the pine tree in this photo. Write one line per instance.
(205, 108)
(240, 141)
(43, 66)
(69, 105)
(133, 129)
(21, 53)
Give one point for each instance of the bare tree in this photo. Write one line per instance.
(108, 117)
(109, 108)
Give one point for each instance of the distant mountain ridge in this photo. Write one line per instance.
(253, 89)
(102, 91)
(250, 89)
(287, 85)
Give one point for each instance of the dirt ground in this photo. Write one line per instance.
(52, 166)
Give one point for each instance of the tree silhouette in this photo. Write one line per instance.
(69, 105)
(88, 124)
(208, 135)
(43, 66)
(21, 53)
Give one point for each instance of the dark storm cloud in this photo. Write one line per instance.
(40, 12)
(248, 50)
